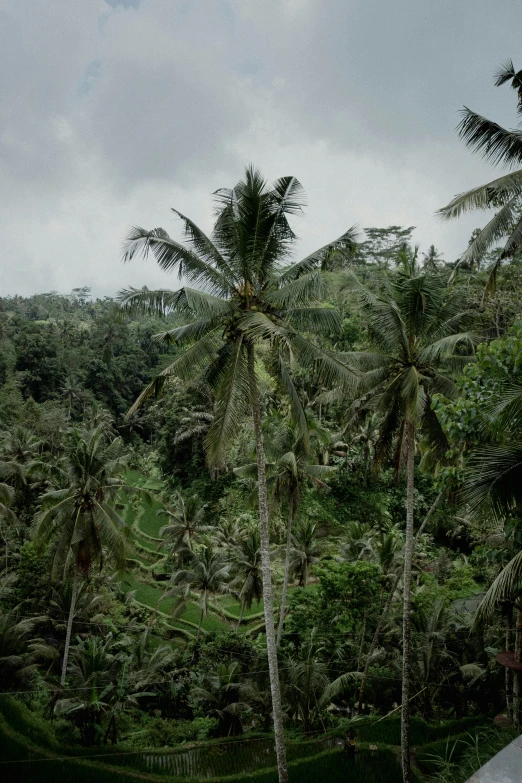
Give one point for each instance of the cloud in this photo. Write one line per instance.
(112, 112)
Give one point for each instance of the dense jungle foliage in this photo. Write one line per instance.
(286, 499)
(145, 674)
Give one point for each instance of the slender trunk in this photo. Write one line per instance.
(409, 436)
(69, 629)
(271, 645)
(428, 515)
(282, 610)
(388, 603)
(508, 675)
(516, 673)
(375, 640)
(363, 633)
(241, 613)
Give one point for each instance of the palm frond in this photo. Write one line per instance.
(345, 244)
(232, 394)
(171, 255)
(307, 289)
(339, 685)
(317, 320)
(498, 227)
(325, 365)
(298, 412)
(502, 589)
(187, 366)
(484, 196)
(205, 248)
(496, 144)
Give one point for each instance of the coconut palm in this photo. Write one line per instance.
(500, 146)
(8, 518)
(247, 566)
(432, 661)
(207, 574)
(310, 688)
(306, 550)
(80, 516)
(246, 295)
(148, 664)
(16, 654)
(493, 481)
(72, 392)
(415, 328)
(186, 522)
(20, 460)
(223, 692)
(94, 666)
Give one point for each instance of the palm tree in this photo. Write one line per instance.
(289, 469)
(207, 574)
(223, 692)
(94, 665)
(384, 550)
(306, 550)
(310, 687)
(247, 565)
(20, 459)
(187, 521)
(500, 146)
(493, 487)
(16, 656)
(433, 662)
(71, 391)
(247, 296)
(7, 515)
(415, 328)
(80, 516)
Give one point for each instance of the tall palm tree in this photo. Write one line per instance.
(80, 516)
(207, 574)
(247, 295)
(415, 328)
(493, 486)
(500, 146)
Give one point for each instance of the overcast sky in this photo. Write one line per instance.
(113, 111)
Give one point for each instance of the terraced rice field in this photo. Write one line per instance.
(146, 558)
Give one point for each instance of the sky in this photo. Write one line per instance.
(114, 111)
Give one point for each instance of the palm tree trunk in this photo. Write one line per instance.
(516, 673)
(409, 435)
(361, 645)
(271, 645)
(69, 629)
(375, 640)
(508, 673)
(282, 610)
(387, 605)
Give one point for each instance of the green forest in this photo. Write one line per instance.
(266, 525)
